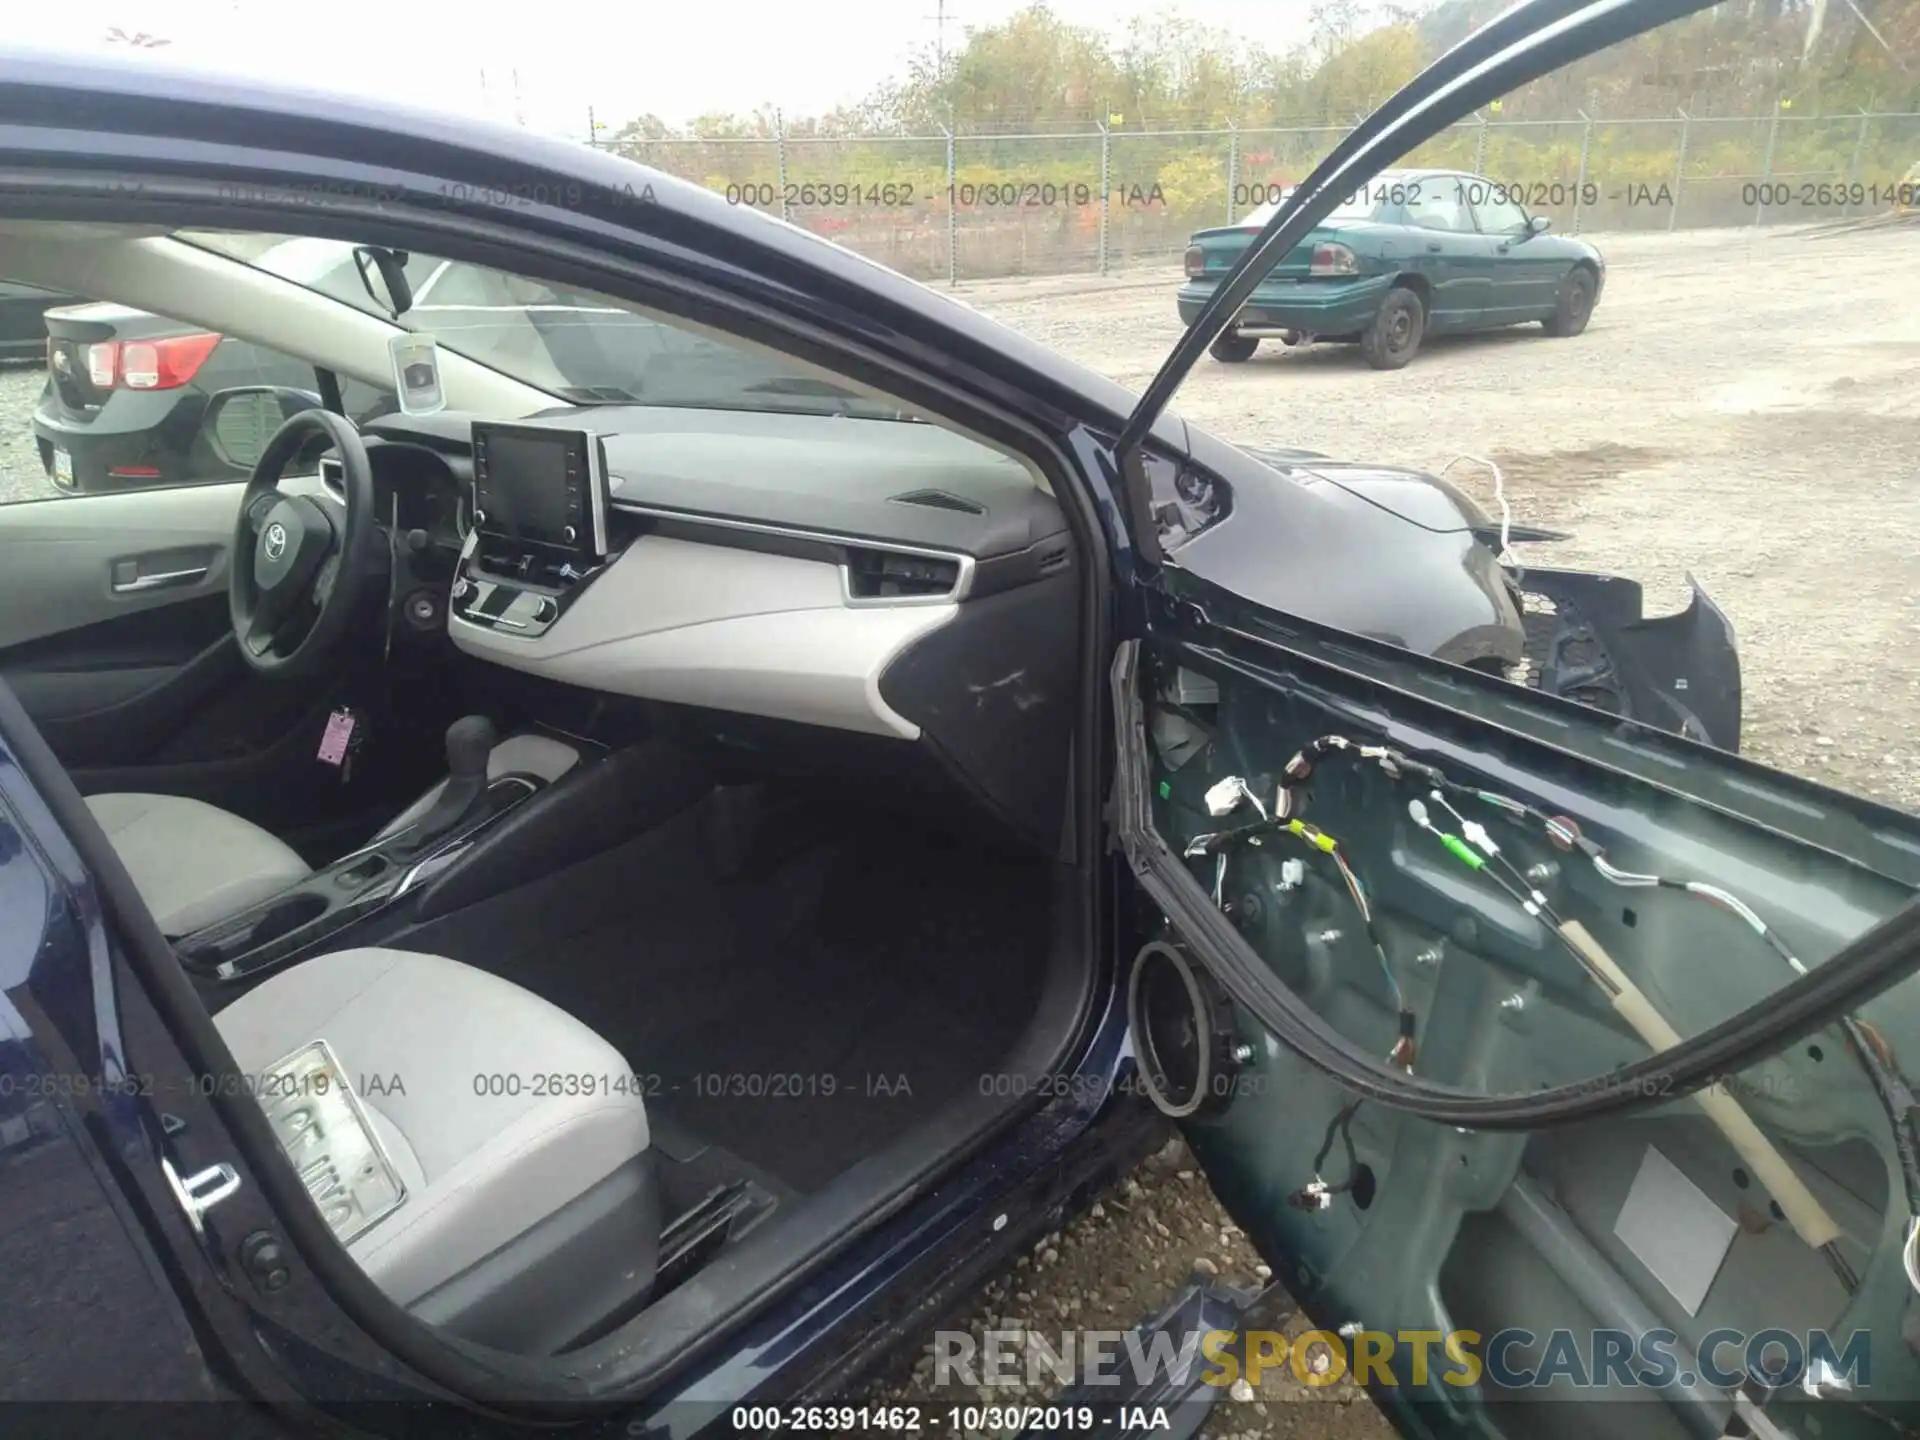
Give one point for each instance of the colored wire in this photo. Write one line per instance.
(1318, 839)
(1875, 1057)
(1220, 843)
(1476, 849)
(1319, 1194)
(1869, 1048)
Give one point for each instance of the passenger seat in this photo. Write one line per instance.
(530, 1209)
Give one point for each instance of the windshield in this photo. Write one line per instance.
(582, 347)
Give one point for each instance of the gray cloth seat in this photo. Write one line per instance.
(193, 863)
(196, 865)
(530, 1209)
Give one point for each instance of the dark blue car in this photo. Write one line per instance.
(608, 910)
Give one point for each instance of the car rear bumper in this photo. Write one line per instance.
(1322, 307)
(133, 441)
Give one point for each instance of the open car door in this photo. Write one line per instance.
(1493, 1018)
(1548, 1057)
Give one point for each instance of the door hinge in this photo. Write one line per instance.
(201, 1191)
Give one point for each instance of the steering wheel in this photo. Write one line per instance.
(302, 565)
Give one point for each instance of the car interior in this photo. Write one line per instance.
(610, 832)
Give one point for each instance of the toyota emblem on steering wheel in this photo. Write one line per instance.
(276, 540)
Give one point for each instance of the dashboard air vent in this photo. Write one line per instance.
(333, 475)
(940, 500)
(890, 575)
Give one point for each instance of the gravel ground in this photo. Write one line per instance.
(21, 474)
(1121, 1260)
(1744, 406)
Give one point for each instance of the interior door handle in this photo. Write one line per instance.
(1434, 246)
(160, 580)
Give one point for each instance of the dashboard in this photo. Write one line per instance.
(880, 579)
(417, 489)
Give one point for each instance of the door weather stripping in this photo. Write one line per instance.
(201, 1191)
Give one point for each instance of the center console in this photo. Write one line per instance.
(507, 815)
(359, 887)
(539, 526)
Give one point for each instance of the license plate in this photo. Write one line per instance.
(325, 1131)
(62, 468)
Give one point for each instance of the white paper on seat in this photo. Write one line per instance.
(325, 1131)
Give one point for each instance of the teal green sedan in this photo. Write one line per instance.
(1417, 253)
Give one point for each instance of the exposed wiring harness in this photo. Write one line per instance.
(1280, 820)
(1506, 556)
(1318, 1194)
(1474, 847)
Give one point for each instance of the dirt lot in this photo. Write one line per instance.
(1745, 406)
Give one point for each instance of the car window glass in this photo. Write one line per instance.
(1436, 203)
(124, 400)
(114, 371)
(1497, 214)
(1362, 206)
(575, 345)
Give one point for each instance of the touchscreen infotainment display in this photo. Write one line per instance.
(539, 490)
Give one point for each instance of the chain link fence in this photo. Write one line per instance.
(961, 206)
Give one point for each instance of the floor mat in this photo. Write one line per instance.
(803, 1014)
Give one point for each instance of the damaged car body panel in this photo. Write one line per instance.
(1522, 44)
(1295, 527)
(1441, 581)
(1590, 641)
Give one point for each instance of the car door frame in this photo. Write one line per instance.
(1524, 281)
(1198, 617)
(946, 361)
(1456, 264)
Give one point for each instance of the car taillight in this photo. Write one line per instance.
(164, 364)
(1331, 259)
(1196, 260)
(103, 364)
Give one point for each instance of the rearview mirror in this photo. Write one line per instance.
(384, 273)
(1539, 224)
(239, 422)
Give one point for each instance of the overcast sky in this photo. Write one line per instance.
(623, 58)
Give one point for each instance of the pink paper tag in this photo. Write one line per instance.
(333, 744)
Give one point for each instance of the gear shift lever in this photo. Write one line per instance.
(470, 741)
